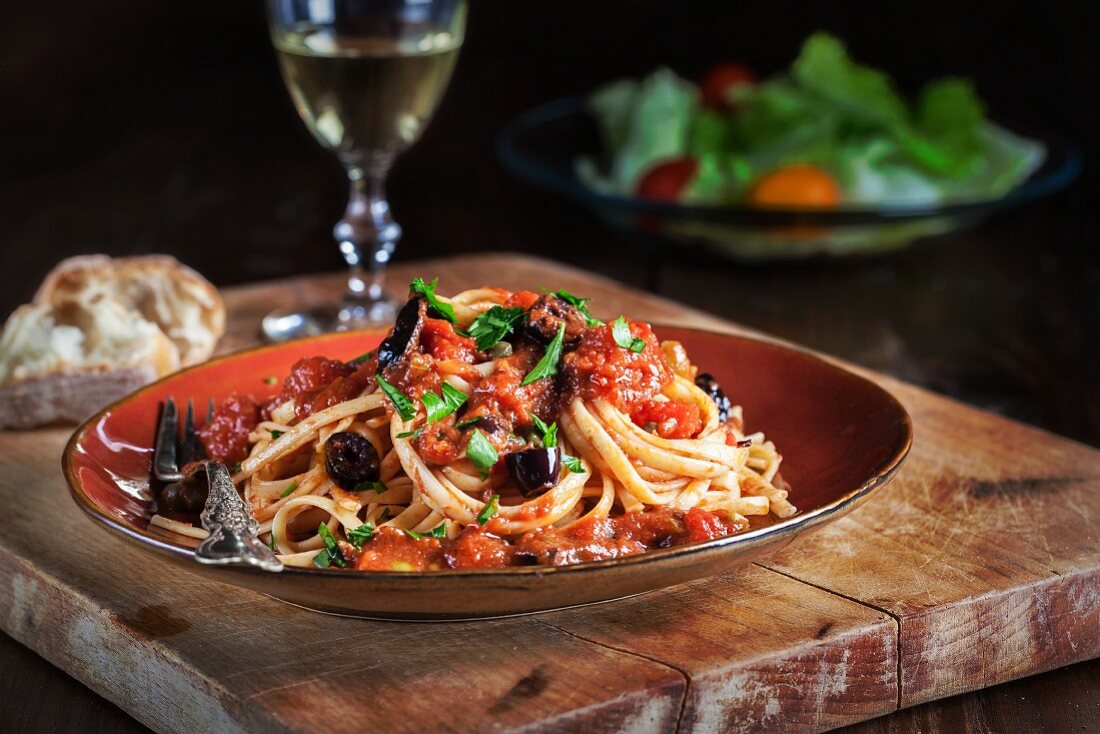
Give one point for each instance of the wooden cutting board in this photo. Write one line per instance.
(979, 563)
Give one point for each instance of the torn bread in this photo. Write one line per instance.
(185, 306)
(99, 328)
(65, 363)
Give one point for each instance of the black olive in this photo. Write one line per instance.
(194, 495)
(526, 558)
(350, 460)
(490, 423)
(187, 496)
(405, 330)
(170, 497)
(534, 470)
(546, 316)
(709, 385)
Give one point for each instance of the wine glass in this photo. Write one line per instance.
(365, 77)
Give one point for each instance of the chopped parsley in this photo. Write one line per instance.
(378, 487)
(289, 488)
(493, 325)
(481, 453)
(439, 408)
(363, 533)
(414, 535)
(468, 422)
(365, 356)
(322, 560)
(439, 531)
(271, 541)
(573, 464)
(549, 433)
(275, 434)
(581, 304)
(271, 380)
(427, 290)
(401, 402)
(620, 331)
(411, 434)
(491, 508)
(335, 557)
(548, 365)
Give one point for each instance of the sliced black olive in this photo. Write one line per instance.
(709, 385)
(534, 470)
(545, 317)
(526, 558)
(405, 330)
(350, 460)
(187, 496)
(490, 423)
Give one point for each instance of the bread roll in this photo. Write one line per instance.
(100, 328)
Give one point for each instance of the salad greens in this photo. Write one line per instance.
(828, 112)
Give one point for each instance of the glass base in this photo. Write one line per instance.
(286, 324)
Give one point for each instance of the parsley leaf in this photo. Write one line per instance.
(548, 365)
(581, 304)
(365, 356)
(271, 380)
(549, 432)
(493, 325)
(333, 550)
(481, 453)
(414, 535)
(468, 422)
(401, 403)
(573, 464)
(439, 531)
(411, 434)
(620, 331)
(289, 488)
(363, 533)
(322, 560)
(271, 541)
(378, 487)
(275, 434)
(427, 290)
(491, 508)
(439, 408)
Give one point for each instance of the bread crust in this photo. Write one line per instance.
(69, 396)
(73, 277)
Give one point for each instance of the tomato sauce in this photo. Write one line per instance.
(589, 540)
(316, 383)
(225, 435)
(600, 368)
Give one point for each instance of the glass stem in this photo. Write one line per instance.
(367, 236)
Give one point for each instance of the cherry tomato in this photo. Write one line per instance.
(667, 180)
(798, 185)
(716, 84)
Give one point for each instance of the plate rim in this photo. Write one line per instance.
(783, 531)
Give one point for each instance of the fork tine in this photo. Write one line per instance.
(190, 440)
(165, 467)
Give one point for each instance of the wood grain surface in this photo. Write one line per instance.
(977, 565)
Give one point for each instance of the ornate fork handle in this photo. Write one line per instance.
(233, 531)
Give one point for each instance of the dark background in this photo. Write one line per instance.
(134, 126)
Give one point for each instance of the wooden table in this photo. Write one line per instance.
(980, 564)
(164, 131)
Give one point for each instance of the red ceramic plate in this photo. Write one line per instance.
(841, 436)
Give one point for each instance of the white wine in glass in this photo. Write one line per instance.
(365, 76)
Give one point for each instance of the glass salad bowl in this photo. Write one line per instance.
(542, 145)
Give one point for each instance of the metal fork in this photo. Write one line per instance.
(233, 539)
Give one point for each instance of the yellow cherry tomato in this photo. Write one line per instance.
(798, 185)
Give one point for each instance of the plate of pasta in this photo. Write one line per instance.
(499, 452)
